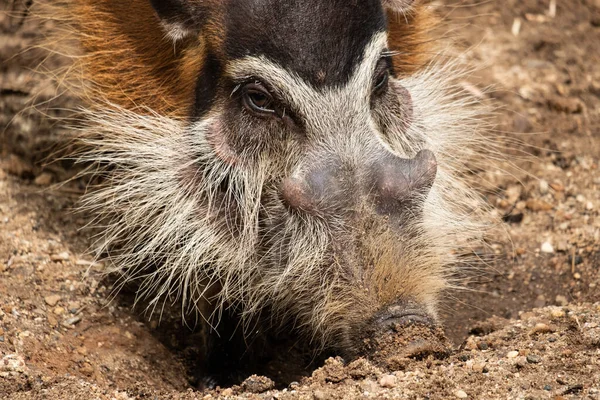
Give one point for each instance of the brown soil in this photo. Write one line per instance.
(529, 327)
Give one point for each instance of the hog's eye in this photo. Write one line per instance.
(381, 81)
(258, 100)
(381, 76)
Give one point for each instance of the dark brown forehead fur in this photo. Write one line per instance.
(320, 40)
(130, 61)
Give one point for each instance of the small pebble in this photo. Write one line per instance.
(541, 328)
(534, 359)
(561, 301)
(577, 275)
(388, 381)
(52, 300)
(512, 354)
(547, 388)
(589, 206)
(44, 179)
(547, 248)
(544, 186)
(319, 395)
(64, 256)
(461, 394)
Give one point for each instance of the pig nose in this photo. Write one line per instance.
(330, 186)
(399, 183)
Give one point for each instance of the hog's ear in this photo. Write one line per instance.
(180, 18)
(401, 6)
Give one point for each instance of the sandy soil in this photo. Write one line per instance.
(529, 327)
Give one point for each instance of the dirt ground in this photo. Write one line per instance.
(527, 328)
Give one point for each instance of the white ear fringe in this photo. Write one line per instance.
(401, 6)
(176, 31)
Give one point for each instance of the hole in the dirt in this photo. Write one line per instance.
(229, 358)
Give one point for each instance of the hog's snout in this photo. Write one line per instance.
(402, 314)
(394, 184)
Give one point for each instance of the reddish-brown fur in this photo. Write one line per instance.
(130, 62)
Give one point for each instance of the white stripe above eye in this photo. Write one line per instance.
(301, 94)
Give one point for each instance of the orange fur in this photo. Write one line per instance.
(128, 60)
(409, 37)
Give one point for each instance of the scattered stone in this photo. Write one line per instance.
(541, 328)
(461, 394)
(547, 388)
(13, 363)
(544, 187)
(534, 359)
(577, 276)
(570, 105)
(44, 179)
(52, 300)
(72, 321)
(538, 205)
(64, 256)
(257, 384)
(540, 301)
(562, 246)
(561, 301)
(87, 369)
(575, 261)
(320, 395)
(589, 206)
(59, 310)
(574, 389)
(15, 165)
(512, 354)
(547, 248)
(388, 381)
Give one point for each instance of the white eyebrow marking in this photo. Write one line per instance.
(301, 94)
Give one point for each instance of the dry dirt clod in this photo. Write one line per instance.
(257, 384)
(561, 301)
(64, 256)
(547, 248)
(388, 381)
(512, 354)
(44, 179)
(534, 359)
(52, 300)
(320, 395)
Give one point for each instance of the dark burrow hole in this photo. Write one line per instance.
(233, 356)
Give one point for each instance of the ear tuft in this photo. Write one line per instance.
(401, 6)
(179, 18)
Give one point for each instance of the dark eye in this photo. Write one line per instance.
(381, 82)
(257, 99)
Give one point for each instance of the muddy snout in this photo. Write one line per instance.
(398, 316)
(392, 184)
(403, 331)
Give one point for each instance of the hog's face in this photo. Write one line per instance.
(309, 182)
